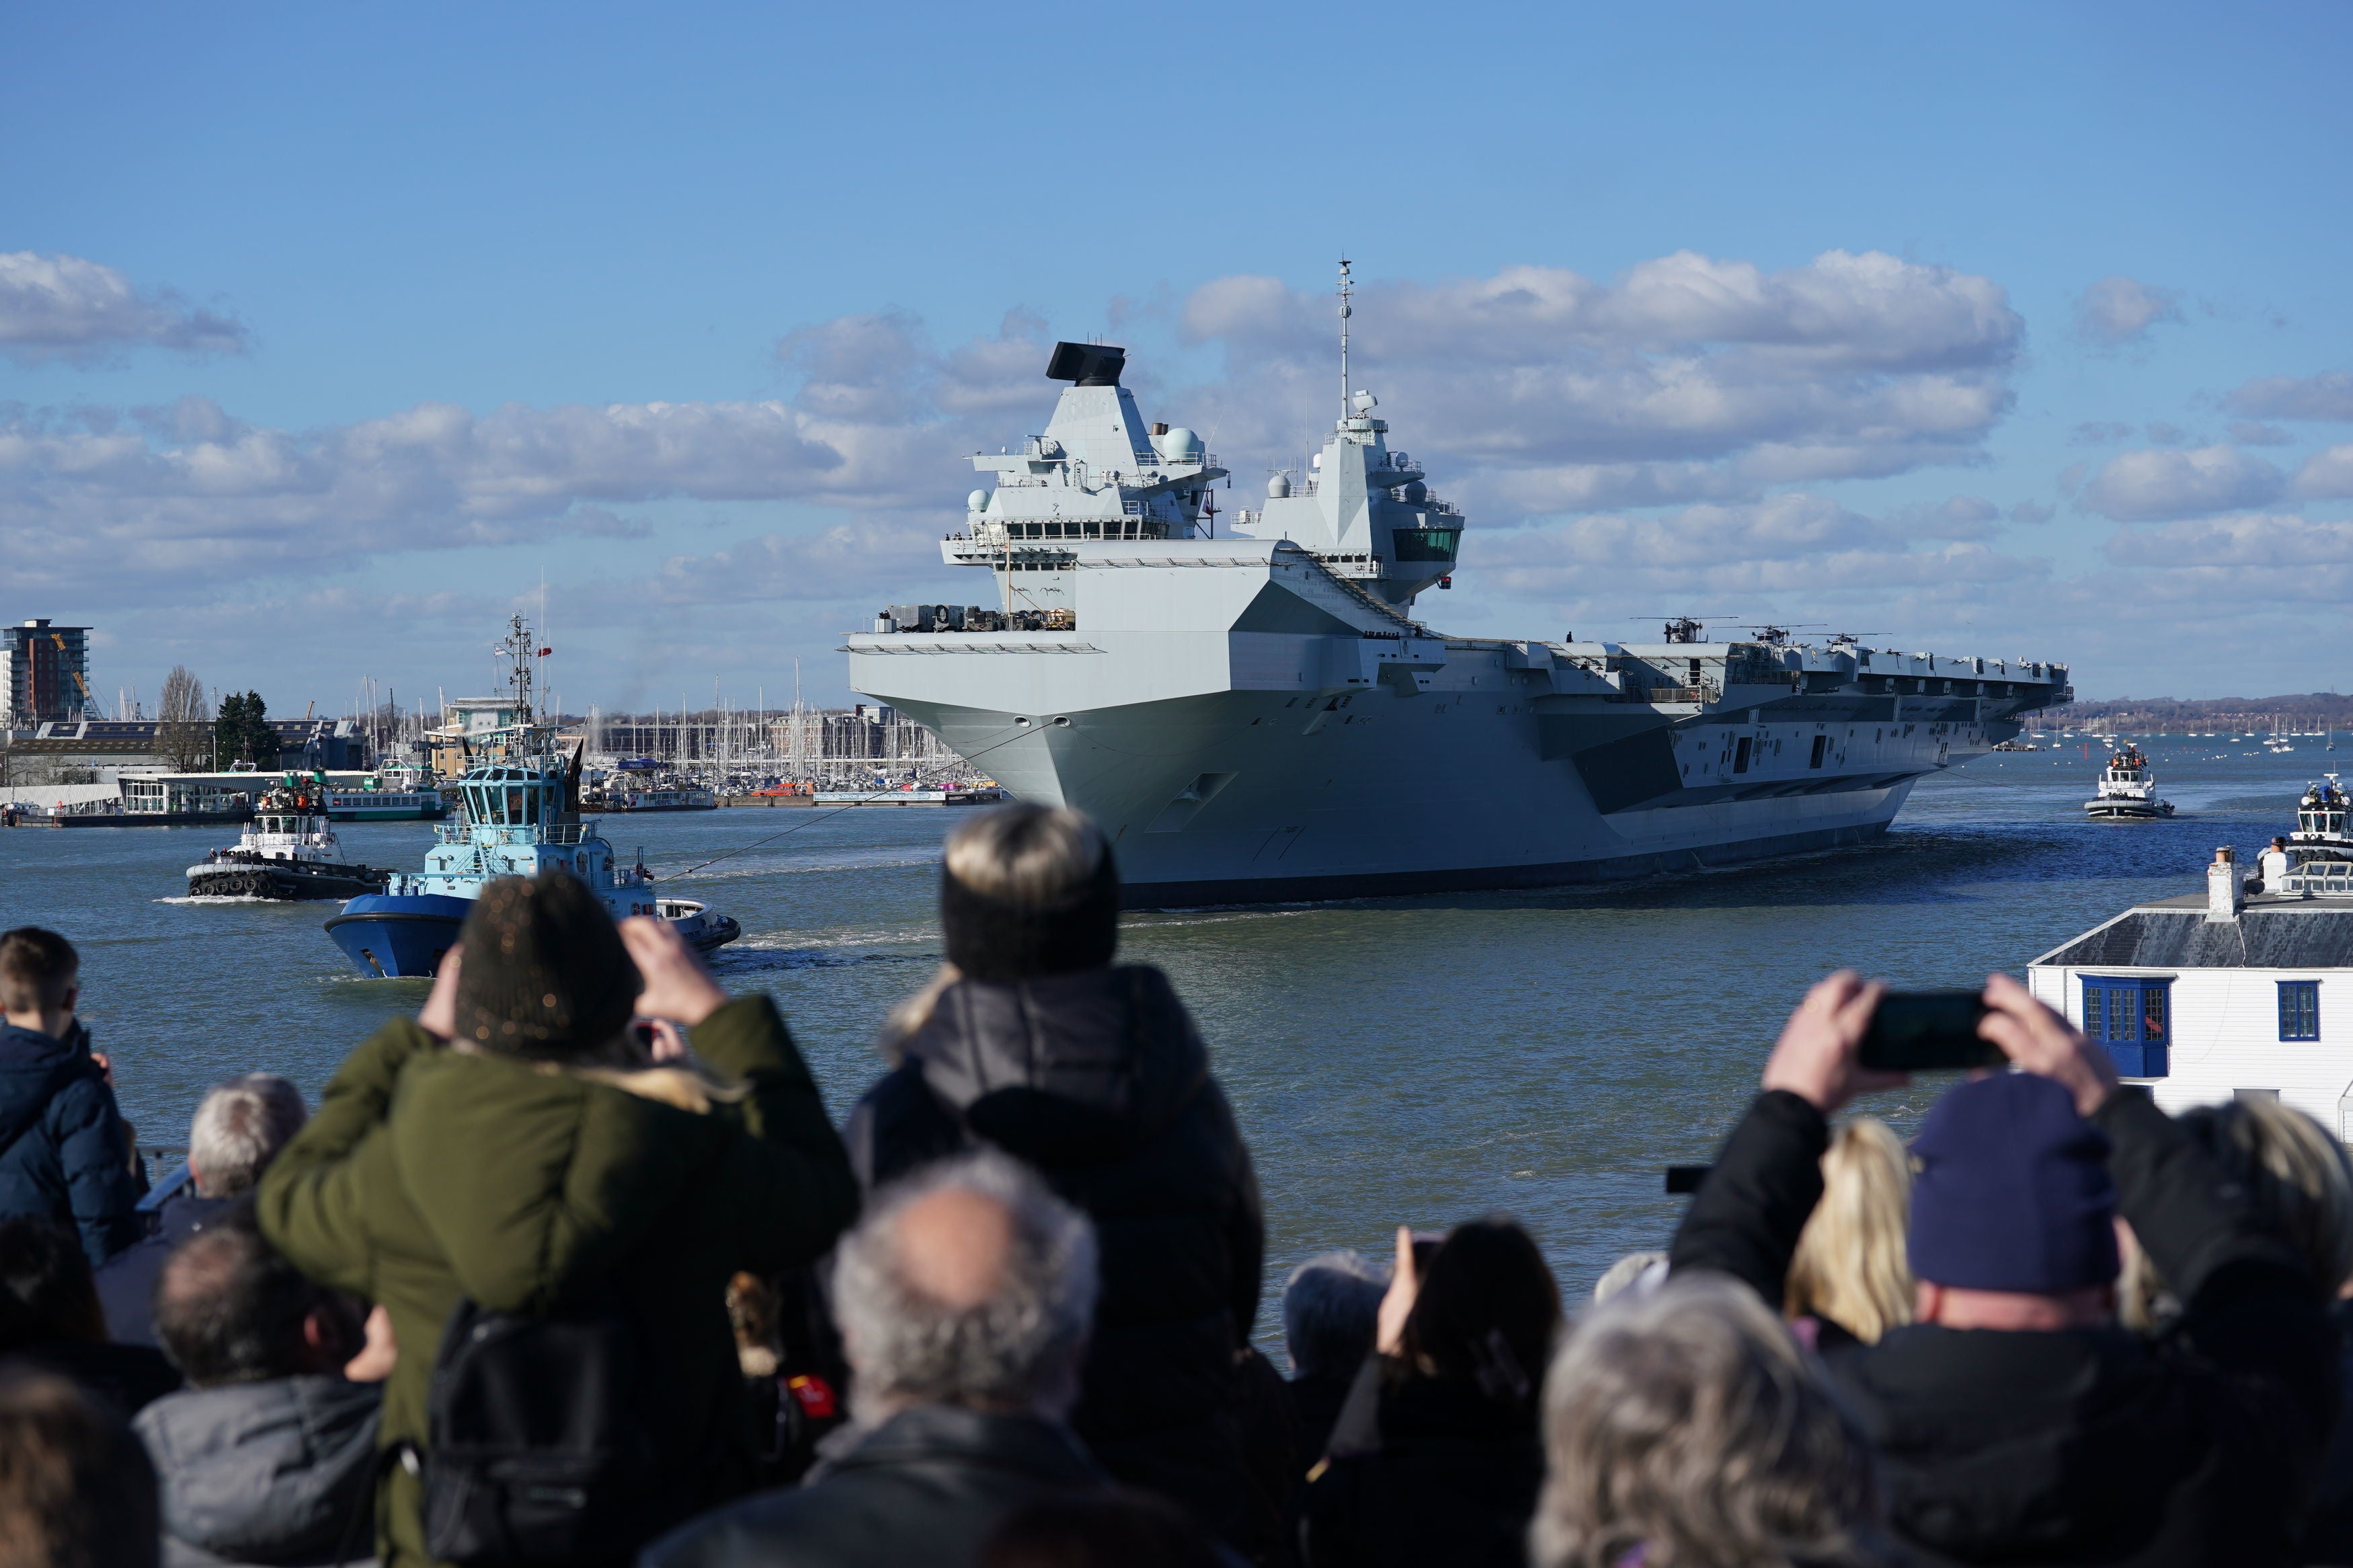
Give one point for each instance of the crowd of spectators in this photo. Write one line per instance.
(574, 1266)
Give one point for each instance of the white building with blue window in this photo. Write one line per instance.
(2233, 995)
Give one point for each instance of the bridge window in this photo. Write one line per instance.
(2299, 1009)
(1424, 544)
(2133, 1018)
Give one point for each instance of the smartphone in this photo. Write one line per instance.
(1685, 1179)
(1928, 1031)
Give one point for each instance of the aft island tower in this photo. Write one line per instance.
(1259, 716)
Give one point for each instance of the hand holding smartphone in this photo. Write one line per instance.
(1927, 1031)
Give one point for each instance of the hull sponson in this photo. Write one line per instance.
(1247, 727)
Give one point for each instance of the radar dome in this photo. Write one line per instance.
(1415, 491)
(1365, 402)
(1180, 445)
(1278, 487)
(976, 502)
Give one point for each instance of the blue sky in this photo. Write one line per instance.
(326, 331)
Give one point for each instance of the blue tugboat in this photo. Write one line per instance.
(519, 802)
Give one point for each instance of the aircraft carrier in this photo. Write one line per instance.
(1258, 716)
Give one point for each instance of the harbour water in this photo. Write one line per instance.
(1414, 1061)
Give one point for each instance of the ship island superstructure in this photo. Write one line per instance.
(1259, 716)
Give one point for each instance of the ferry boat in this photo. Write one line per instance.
(668, 797)
(520, 803)
(2128, 789)
(286, 851)
(398, 794)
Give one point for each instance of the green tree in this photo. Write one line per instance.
(243, 731)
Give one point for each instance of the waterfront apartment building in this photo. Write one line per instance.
(45, 674)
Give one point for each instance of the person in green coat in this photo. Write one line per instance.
(515, 1146)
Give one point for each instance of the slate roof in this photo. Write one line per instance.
(2291, 934)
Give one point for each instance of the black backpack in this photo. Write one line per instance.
(538, 1447)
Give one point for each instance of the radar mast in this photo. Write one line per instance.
(1347, 288)
(516, 647)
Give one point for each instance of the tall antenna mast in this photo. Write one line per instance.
(1347, 288)
(518, 648)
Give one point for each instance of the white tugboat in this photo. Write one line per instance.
(2128, 789)
(1256, 714)
(287, 851)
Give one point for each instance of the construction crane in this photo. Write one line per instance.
(86, 698)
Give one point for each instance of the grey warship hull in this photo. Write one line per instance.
(1362, 759)
(1260, 718)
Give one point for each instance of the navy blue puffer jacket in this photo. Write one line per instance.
(62, 1151)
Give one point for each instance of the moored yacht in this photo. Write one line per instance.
(520, 797)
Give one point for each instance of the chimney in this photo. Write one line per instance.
(2224, 895)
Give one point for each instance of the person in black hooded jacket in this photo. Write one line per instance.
(2015, 1422)
(1032, 1041)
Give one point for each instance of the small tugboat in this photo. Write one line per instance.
(2128, 789)
(520, 800)
(286, 851)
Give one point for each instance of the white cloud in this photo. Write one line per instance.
(63, 307)
(2117, 310)
(2260, 539)
(2250, 433)
(2328, 396)
(2326, 475)
(1957, 517)
(1688, 378)
(2263, 559)
(884, 561)
(1801, 544)
(187, 495)
(2155, 486)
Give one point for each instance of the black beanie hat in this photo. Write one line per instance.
(1005, 940)
(544, 972)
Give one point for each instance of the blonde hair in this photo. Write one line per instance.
(1026, 854)
(2300, 1176)
(1851, 1266)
